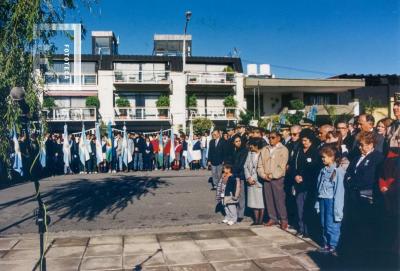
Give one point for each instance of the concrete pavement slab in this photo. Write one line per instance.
(238, 233)
(213, 244)
(140, 239)
(258, 252)
(17, 265)
(193, 267)
(188, 257)
(249, 241)
(280, 263)
(7, 243)
(70, 241)
(176, 236)
(66, 252)
(224, 255)
(105, 240)
(101, 263)
(103, 250)
(31, 244)
(236, 266)
(212, 234)
(134, 261)
(175, 246)
(140, 249)
(308, 262)
(2, 253)
(21, 254)
(69, 264)
(298, 248)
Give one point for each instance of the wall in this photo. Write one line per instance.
(106, 95)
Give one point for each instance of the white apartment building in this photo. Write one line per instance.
(142, 79)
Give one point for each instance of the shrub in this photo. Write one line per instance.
(201, 125)
(163, 101)
(92, 101)
(122, 102)
(191, 101)
(49, 102)
(230, 101)
(245, 117)
(296, 104)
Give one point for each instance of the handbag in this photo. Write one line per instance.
(230, 200)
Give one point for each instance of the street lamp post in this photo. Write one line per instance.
(188, 14)
(17, 94)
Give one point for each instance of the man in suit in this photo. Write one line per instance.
(366, 123)
(216, 156)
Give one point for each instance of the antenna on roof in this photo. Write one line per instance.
(236, 52)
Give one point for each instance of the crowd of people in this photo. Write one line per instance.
(338, 184)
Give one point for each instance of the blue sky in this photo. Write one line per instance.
(326, 36)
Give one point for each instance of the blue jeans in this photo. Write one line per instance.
(138, 161)
(204, 158)
(330, 228)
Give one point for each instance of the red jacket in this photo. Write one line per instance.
(155, 145)
(167, 147)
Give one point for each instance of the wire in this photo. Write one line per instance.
(291, 68)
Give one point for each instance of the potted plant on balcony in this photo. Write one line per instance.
(191, 104)
(92, 101)
(229, 73)
(161, 103)
(49, 102)
(121, 103)
(230, 103)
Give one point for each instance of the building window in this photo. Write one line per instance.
(320, 98)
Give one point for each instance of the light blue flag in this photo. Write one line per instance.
(190, 143)
(125, 147)
(82, 147)
(17, 166)
(312, 115)
(42, 151)
(99, 150)
(160, 149)
(172, 149)
(66, 147)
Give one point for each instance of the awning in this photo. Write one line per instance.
(280, 85)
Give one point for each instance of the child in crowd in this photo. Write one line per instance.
(230, 195)
(330, 202)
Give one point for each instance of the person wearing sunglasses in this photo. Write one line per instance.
(272, 169)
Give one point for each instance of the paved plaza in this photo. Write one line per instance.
(213, 247)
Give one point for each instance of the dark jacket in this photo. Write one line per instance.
(379, 146)
(229, 150)
(216, 154)
(239, 158)
(308, 165)
(364, 176)
(139, 145)
(230, 189)
(197, 146)
(148, 148)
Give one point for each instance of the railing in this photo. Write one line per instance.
(141, 77)
(63, 79)
(211, 78)
(213, 113)
(142, 113)
(71, 114)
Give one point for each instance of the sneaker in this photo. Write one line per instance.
(230, 223)
(333, 252)
(225, 221)
(324, 250)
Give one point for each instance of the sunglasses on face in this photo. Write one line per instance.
(294, 134)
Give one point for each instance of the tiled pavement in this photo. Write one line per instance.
(222, 248)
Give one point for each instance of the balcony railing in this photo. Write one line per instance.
(141, 77)
(211, 78)
(62, 79)
(142, 113)
(71, 114)
(213, 113)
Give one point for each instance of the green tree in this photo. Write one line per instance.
(18, 22)
(191, 101)
(245, 117)
(123, 102)
(49, 102)
(201, 125)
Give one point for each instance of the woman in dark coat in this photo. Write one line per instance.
(239, 159)
(307, 164)
(148, 155)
